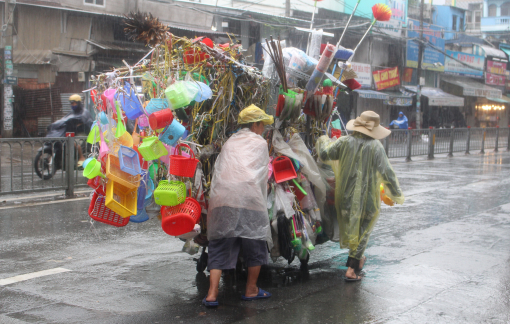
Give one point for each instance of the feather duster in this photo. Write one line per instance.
(142, 26)
(381, 12)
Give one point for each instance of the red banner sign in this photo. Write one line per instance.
(496, 67)
(386, 78)
(495, 79)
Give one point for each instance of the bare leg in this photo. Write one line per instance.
(214, 283)
(251, 284)
(80, 153)
(350, 273)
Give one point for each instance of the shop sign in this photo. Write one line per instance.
(494, 79)
(394, 101)
(431, 57)
(496, 67)
(364, 72)
(392, 27)
(386, 78)
(454, 67)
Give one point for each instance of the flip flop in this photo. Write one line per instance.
(358, 278)
(210, 303)
(261, 295)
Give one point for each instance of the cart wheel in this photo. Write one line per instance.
(202, 261)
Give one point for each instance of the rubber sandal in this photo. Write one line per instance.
(261, 295)
(210, 303)
(358, 278)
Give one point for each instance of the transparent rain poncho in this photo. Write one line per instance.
(238, 196)
(360, 165)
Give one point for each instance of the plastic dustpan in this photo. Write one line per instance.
(283, 169)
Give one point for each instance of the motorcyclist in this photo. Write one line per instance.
(401, 121)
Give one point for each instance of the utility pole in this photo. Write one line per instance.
(7, 113)
(418, 74)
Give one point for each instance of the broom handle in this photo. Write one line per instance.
(348, 22)
(362, 38)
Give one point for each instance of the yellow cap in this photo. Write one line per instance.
(253, 114)
(75, 97)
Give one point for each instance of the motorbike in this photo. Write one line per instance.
(51, 156)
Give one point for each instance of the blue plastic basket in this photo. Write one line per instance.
(129, 102)
(156, 105)
(129, 160)
(172, 133)
(144, 195)
(140, 217)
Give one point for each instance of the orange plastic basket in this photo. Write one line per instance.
(182, 166)
(99, 212)
(180, 219)
(114, 173)
(283, 169)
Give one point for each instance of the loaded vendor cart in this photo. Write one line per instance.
(184, 98)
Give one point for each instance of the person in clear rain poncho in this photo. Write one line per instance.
(360, 165)
(237, 215)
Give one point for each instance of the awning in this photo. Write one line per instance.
(119, 46)
(503, 99)
(371, 94)
(397, 98)
(506, 50)
(485, 50)
(32, 56)
(438, 97)
(474, 89)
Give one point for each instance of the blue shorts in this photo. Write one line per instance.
(223, 253)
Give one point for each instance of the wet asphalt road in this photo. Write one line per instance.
(442, 257)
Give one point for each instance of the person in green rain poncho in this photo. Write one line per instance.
(360, 165)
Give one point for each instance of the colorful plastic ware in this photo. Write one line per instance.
(120, 199)
(140, 217)
(177, 95)
(114, 173)
(161, 119)
(172, 133)
(170, 193)
(180, 219)
(99, 212)
(129, 161)
(181, 166)
(130, 102)
(156, 104)
(283, 169)
(152, 148)
(93, 169)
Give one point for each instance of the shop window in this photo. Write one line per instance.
(468, 17)
(492, 10)
(454, 23)
(94, 2)
(505, 9)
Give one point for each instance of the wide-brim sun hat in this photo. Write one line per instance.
(253, 114)
(368, 123)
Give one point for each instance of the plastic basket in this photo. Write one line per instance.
(94, 183)
(143, 121)
(99, 212)
(177, 95)
(129, 161)
(336, 133)
(182, 166)
(141, 216)
(161, 119)
(180, 219)
(156, 105)
(172, 133)
(114, 173)
(283, 169)
(120, 199)
(152, 148)
(129, 102)
(170, 193)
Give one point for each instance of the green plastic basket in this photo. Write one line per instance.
(170, 193)
(152, 148)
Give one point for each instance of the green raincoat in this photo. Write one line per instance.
(360, 165)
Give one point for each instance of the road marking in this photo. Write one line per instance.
(45, 203)
(56, 194)
(32, 275)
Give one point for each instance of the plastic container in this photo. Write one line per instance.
(152, 148)
(204, 92)
(172, 133)
(177, 95)
(336, 133)
(99, 212)
(140, 217)
(170, 193)
(114, 173)
(129, 102)
(180, 219)
(143, 121)
(93, 169)
(94, 183)
(283, 169)
(103, 118)
(120, 199)
(129, 161)
(156, 105)
(145, 190)
(161, 119)
(110, 95)
(182, 166)
(144, 165)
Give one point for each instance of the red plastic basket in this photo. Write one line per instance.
(95, 182)
(336, 133)
(180, 219)
(283, 169)
(182, 166)
(99, 212)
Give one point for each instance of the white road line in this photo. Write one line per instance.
(44, 203)
(56, 194)
(32, 275)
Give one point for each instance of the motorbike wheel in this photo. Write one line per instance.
(44, 164)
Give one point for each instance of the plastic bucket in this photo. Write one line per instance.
(156, 105)
(172, 133)
(161, 119)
